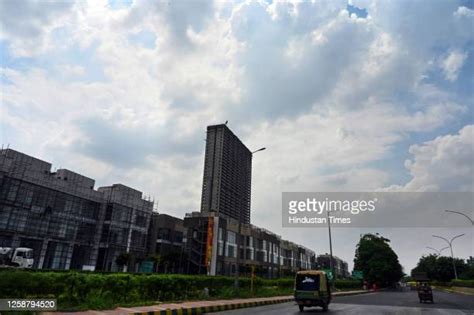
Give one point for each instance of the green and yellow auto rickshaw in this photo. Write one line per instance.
(312, 288)
(425, 293)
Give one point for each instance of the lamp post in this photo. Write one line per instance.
(438, 251)
(450, 243)
(238, 238)
(470, 220)
(463, 214)
(331, 267)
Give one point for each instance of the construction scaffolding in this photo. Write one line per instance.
(63, 218)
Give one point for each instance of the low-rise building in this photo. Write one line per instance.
(341, 268)
(71, 225)
(212, 245)
(67, 223)
(125, 227)
(165, 243)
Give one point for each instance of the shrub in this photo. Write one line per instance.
(77, 290)
(348, 284)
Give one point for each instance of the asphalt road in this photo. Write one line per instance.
(385, 303)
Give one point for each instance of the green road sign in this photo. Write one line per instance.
(329, 274)
(146, 266)
(357, 274)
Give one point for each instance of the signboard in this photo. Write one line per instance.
(357, 274)
(420, 276)
(88, 267)
(210, 234)
(146, 266)
(329, 274)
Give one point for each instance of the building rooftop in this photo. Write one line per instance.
(25, 167)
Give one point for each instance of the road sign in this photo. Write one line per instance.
(146, 266)
(357, 274)
(329, 274)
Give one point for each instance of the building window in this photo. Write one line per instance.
(264, 251)
(4, 215)
(221, 234)
(231, 246)
(140, 220)
(13, 190)
(220, 248)
(220, 240)
(250, 241)
(231, 237)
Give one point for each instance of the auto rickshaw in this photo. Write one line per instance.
(312, 288)
(425, 293)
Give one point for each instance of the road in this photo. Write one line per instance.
(384, 302)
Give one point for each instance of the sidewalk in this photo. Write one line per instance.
(460, 290)
(199, 307)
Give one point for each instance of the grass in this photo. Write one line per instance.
(98, 303)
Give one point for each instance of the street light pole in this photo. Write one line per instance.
(450, 243)
(463, 214)
(331, 267)
(470, 220)
(238, 238)
(438, 251)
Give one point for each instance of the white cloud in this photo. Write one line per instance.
(28, 25)
(452, 65)
(463, 11)
(297, 68)
(443, 164)
(330, 96)
(70, 70)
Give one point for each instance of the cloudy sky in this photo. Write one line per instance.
(345, 95)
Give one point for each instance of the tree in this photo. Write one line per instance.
(376, 259)
(468, 274)
(440, 267)
(427, 264)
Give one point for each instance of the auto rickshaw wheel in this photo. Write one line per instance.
(301, 308)
(325, 307)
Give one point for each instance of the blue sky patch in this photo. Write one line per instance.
(120, 4)
(143, 38)
(360, 13)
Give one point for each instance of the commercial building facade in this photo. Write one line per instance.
(340, 267)
(71, 225)
(67, 223)
(165, 243)
(213, 242)
(125, 227)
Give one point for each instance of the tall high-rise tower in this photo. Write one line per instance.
(227, 179)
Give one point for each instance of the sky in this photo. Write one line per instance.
(345, 95)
